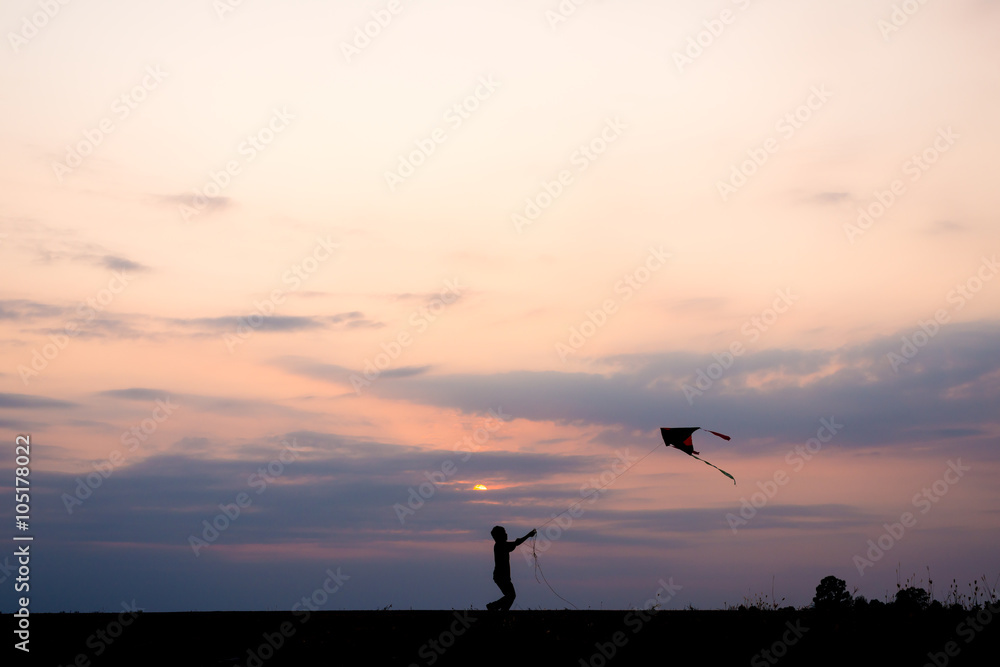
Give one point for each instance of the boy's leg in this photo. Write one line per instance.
(504, 603)
(493, 606)
(507, 587)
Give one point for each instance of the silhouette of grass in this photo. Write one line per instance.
(851, 630)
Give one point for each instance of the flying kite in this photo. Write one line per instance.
(672, 437)
(681, 439)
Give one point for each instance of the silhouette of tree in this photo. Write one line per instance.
(832, 594)
(912, 598)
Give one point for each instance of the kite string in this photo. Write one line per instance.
(538, 570)
(534, 553)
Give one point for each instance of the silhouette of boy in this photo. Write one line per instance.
(501, 568)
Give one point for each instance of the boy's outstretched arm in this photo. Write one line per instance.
(520, 540)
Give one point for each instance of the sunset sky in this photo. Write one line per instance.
(251, 253)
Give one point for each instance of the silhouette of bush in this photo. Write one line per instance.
(832, 594)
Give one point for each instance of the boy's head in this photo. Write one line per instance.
(499, 534)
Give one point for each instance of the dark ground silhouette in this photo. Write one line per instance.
(873, 635)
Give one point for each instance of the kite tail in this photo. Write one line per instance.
(717, 468)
